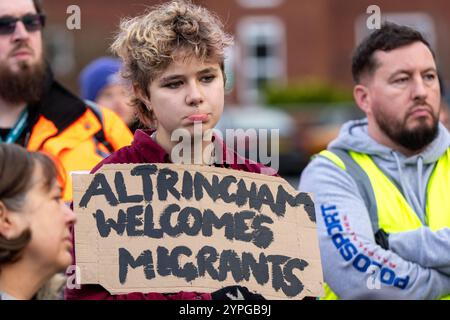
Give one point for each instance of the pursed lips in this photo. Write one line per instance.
(22, 50)
(420, 109)
(198, 116)
(68, 239)
(21, 53)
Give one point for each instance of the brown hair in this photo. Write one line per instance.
(148, 44)
(17, 167)
(38, 6)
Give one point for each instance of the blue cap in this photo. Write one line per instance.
(97, 75)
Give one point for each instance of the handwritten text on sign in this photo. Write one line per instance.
(165, 228)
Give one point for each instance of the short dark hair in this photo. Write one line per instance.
(38, 6)
(389, 37)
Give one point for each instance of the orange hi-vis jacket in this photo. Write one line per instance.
(67, 129)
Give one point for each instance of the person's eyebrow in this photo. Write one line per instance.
(9, 16)
(399, 71)
(171, 78)
(208, 70)
(409, 72)
(430, 69)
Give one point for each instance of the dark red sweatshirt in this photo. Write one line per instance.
(145, 150)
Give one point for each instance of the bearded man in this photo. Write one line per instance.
(36, 111)
(382, 187)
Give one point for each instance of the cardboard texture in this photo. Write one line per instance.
(168, 233)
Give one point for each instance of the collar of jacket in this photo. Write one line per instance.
(58, 104)
(58, 110)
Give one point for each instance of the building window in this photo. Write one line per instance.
(422, 22)
(229, 63)
(259, 3)
(263, 56)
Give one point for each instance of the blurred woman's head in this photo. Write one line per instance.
(174, 57)
(34, 221)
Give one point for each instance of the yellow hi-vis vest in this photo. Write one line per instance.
(388, 208)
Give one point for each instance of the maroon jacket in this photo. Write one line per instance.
(145, 150)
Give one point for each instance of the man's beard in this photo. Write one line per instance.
(412, 139)
(23, 86)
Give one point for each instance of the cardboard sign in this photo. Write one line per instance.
(169, 228)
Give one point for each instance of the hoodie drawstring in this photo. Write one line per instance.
(406, 192)
(420, 181)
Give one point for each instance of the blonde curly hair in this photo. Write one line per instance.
(149, 43)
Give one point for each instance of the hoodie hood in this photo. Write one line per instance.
(409, 174)
(354, 136)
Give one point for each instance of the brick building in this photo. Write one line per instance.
(276, 40)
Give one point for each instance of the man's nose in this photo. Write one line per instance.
(20, 33)
(419, 90)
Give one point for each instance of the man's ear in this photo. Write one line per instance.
(10, 226)
(362, 98)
